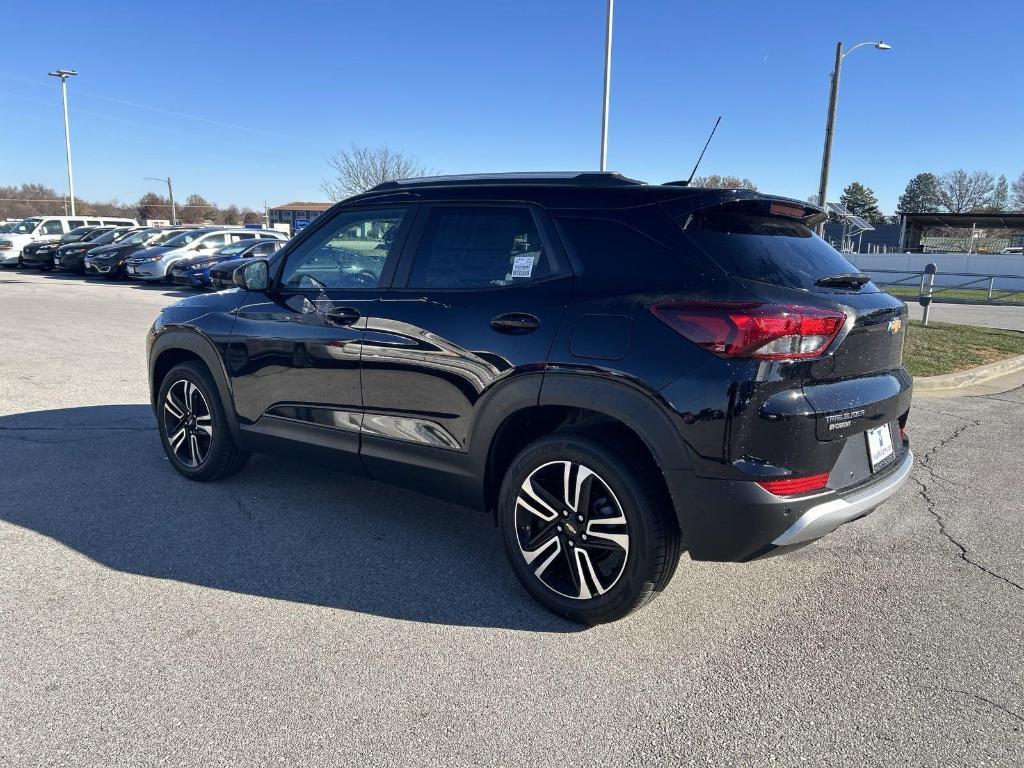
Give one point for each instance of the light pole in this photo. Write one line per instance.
(170, 194)
(64, 74)
(830, 122)
(607, 85)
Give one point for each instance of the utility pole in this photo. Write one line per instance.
(830, 126)
(170, 194)
(607, 85)
(830, 121)
(64, 74)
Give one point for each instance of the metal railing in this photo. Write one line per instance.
(924, 280)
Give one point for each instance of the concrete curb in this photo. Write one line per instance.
(971, 376)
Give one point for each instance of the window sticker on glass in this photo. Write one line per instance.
(522, 266)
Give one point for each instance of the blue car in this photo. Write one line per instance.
(195, 272)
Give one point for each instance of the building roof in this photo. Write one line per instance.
(984, 220)
(299, 206)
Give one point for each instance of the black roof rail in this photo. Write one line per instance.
(555, 178)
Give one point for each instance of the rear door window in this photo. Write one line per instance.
(771, 249)
(465, 247)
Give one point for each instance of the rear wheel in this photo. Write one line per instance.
(193, 427)
(588, 528)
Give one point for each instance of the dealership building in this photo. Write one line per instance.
(295, 212)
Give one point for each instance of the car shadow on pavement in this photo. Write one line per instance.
(167, 289)
(96, 480)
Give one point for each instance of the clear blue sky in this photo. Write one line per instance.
(469, 86)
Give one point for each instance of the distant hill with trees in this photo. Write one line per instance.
(18, 202)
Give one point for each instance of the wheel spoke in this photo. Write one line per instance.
(177, 439)
(542, 536)
(190, 394)
(533, 554)
(582, 475)
(205, 424)
(173, 407)
(583, 558)
(606, 544)
(578, 584)
(536, 503)
(193, 445)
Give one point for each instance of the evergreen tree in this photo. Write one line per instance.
(921, 195)
(1001, 195)
(862, 201)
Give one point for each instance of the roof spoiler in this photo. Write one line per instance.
(806, 213)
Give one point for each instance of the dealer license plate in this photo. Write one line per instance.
(879, 445)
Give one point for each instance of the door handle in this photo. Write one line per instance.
(515, 322)
(342, 316)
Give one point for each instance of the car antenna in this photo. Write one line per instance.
(697, 164)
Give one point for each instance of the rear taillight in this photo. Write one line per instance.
(760, 331)
(792, 486)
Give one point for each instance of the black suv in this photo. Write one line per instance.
(620, 371)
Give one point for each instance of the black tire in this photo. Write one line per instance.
(636, 488)
(217, 455)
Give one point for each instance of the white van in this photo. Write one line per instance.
(42, 228)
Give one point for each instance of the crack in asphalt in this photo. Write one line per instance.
(979, 697)
(925, 463)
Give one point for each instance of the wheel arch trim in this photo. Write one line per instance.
(200, 345)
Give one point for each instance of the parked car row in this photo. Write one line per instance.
(115, 249)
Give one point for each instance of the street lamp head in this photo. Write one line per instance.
(882, 46)
(62, 73)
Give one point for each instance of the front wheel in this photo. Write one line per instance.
(193, 427)
(588, 528)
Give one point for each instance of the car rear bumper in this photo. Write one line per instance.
(825, 517)
(9, 257)
(737, 521)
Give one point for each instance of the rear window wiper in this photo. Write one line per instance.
(843, 280)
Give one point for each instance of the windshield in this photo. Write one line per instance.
(26, 227)
(76, 234)
(230, 250)
(102, 238)
(180, 240)
(7, 227)
(138, 238)
(771, 249)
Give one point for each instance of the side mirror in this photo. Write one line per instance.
(253, 276)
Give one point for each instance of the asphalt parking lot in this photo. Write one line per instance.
(293, 616)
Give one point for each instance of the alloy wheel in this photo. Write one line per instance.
(572, 530)
(188, 423)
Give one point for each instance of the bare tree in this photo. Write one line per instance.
(717, 181)
(361, 168)
(1018, 192)
(963, 192)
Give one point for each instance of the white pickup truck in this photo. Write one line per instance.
(43, 228)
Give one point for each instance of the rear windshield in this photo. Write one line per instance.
(767, 248)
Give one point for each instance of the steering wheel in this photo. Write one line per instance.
(364, 279)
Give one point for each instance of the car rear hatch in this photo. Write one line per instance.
(801, 414)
